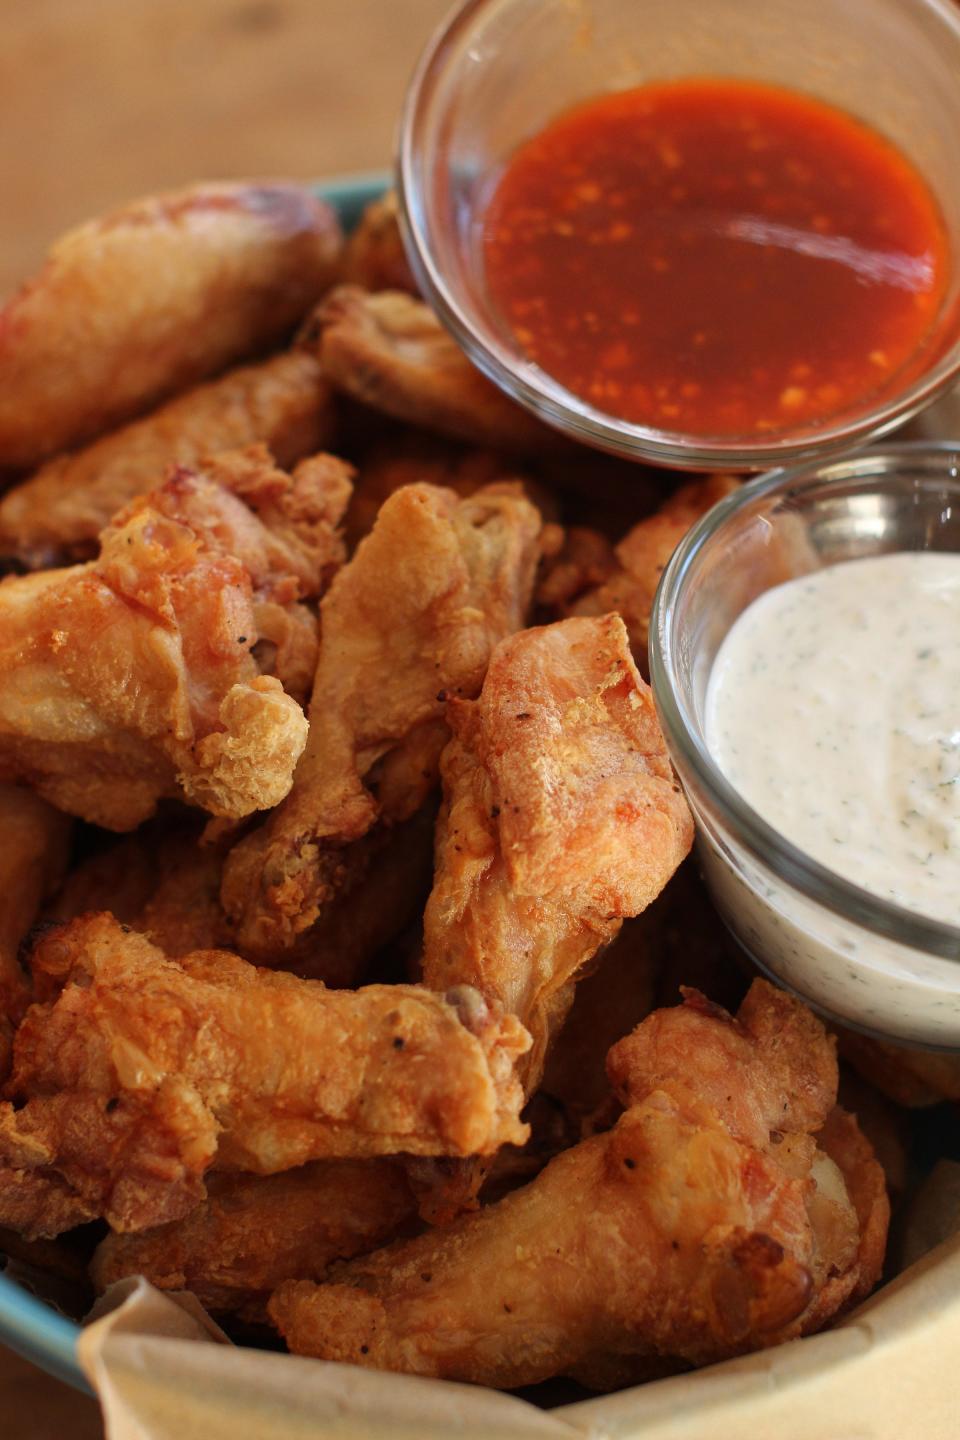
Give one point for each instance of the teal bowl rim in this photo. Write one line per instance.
(28, 1325)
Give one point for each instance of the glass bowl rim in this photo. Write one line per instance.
(767, 845)
(561, 408)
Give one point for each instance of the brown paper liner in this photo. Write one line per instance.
(164, 1371)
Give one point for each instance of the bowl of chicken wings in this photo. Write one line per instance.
(353, 975)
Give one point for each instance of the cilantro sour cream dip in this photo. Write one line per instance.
(833, 709)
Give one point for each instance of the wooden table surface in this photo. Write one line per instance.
(110, 99)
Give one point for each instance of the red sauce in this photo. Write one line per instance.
(715, 257)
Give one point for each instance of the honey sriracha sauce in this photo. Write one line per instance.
(716, 257)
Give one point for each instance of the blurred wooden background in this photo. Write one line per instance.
(110, 99)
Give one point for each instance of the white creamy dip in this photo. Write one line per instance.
(833, 707)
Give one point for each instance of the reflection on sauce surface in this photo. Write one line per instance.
(715, 257)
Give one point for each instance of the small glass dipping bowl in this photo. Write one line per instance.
(499, 70)
(859, 959)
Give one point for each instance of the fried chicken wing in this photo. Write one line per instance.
(642, 556)
(137, 305)
(34, 848)
(584, 561)
(160, 881)
(374, 256)
(140, 1073)
(254, 1231)
(164, 881)
(409, 460)
(785, 1064)
(57, 514)
(707, 1223)
(283, 528)
(380, 888)
(561, 816)
(389, 351)
(132, 677)
(412, 618)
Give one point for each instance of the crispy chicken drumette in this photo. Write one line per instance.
(135, 306)
(140, 674)
(710, 1221)
(411, 619)
(135, 1074)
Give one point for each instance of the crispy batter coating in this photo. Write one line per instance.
(137, 305)
(142, 1072)
(164, 880)
(285, 532)
(390, 351)
(406, 459)
(161, 881)
(784, 1063)
(254, 1231)
(132, 677)
(561, 816)
(412, 618)
(843, 1142)
(910, 1077)
(374, 256)
(381, 886)
(34, 848)
(57, 515)
(707, 1223)
(642, 556)
(585, 560)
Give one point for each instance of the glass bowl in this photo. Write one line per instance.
(859, 959)
(499, 70)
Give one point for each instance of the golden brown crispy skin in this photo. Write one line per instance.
(784, 1062)
(914, 1078)
(34, 848)
(285, 528)
(57, 514)
(642, 556)
(132, 677)
(374, 256)
(843, 1142)
(406, 459)
(120, 878)
(390, 351)
(164, 882)
(381, 887)
(410, 457)
(160, 881)
(585, 560)
(141, 303)
(412, 618)
(141, 1073)
(254, 1231)
(561, 816)
(697, 1228)
(284, 531)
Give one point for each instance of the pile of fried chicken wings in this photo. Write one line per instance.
(344, 977)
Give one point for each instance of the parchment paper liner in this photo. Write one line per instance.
(890, 1371)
